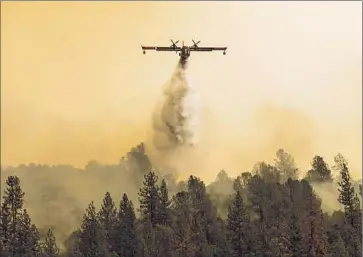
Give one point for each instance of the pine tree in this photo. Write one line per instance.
(49, 246)
(150, 200)
(295, 236)
(205, 213)
(238, 223)
(27, 237)
(313, 233)
(320, 171)
(5, 229)
(187, 231)
(347, 197)
(72, 244)
(164, 204)
(285, 164)
(125, 235)
(267, 172)
(336, 246)
(353, 213)
(108, 216)
(14, 220)
(295, 228)
(92, 241)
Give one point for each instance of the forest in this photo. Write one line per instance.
(272, 210)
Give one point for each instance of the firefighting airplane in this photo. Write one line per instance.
(184, 51)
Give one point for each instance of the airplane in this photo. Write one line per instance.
(184, 51)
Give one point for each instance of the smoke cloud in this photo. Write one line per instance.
(175, 121)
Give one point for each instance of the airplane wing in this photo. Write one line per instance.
(161, 48)
(206, 49)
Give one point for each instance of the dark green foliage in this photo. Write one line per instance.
(270, 212)
(138, 162)
(212, 233)
(71, 244)
(285, 165)
(49, 246)
(187, 230)
(336, 246)
(295, 236)
(92, 240)
(352, 210)
(238, 224)
(320, 171)
(220, 192)
(313, 231)
(263, 213)
(348, 198)
(108, 216)
(19, 237)
(150, 199)
(267, 172)
(27, 237)
(164, 210)
(125, 239)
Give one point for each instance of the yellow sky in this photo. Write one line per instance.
(75, 85)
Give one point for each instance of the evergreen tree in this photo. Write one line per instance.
(256, 196)
(11, 211)
(164, 204)
(295, 226)
(314, 236)
(267, 172)
(205, 214)
(295, 236)
(125, 235)
(241, 184)
(49, 246)
(278, 220)
(336, 246)
(353, 213)
(347, 197)
(15, 222)
(150, 200)
(6, 237)
(92, 241)
(108, 216)
(72, 244)
(285, 164)
(186, 229)
(320, 171)
(238, 223)
(27, 237)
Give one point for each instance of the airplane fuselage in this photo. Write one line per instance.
(184, 53)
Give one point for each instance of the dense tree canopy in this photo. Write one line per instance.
(265, 212)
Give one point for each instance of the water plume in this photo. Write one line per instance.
(175, 120)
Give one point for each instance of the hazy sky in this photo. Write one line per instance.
(75, 85)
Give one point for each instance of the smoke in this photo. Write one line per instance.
(175, 121)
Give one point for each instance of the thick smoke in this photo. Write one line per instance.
(175, 119)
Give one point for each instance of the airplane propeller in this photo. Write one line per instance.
(195, 44)
(174, 43)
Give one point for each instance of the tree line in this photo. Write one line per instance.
(269, 212)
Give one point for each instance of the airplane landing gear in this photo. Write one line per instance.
(224, 53)
(143, 52)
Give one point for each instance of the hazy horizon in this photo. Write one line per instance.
(76, 86)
